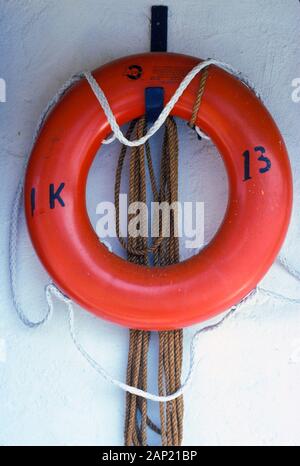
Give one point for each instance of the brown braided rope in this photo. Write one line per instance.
(165, 252)
(197, 103)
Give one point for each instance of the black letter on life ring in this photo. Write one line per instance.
(32, 200)
(264, 159)
(134, 72)
(246, 155)
(55, 195)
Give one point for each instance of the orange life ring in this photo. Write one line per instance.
(246, 243)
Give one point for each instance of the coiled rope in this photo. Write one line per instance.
(165, 251)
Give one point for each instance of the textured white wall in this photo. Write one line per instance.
(246, 390)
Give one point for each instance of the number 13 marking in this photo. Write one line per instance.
(262, 158)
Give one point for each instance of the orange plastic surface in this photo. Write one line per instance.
(246, 243)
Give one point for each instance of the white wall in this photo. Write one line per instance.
(246, 390)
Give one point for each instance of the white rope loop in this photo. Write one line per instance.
(117, 133)
(51, 289)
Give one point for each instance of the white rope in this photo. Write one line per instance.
(51, 289)
(137, 391)
(16, 211)
(117, 133)
(202, 134)
(289, 267)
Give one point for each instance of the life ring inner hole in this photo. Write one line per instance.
(203, 197)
